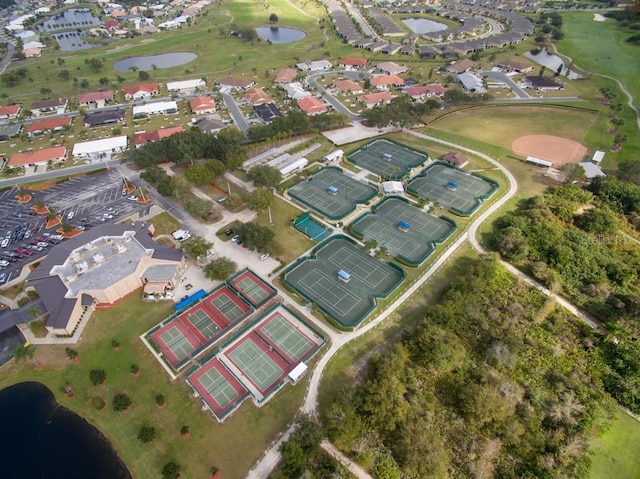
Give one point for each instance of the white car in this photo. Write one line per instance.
(70, 215)
(264, 256)
(132, 198)
(4, 263)
(5, 242)
(108, 215)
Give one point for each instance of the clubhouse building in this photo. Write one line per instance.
(99, 267)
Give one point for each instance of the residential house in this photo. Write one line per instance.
(10, 111)
(103, 118)
(268, 112)
(541, 83)
(512, 66)
(295, 90)
(426, 52)
(233, 83)
(375, 99)
(97, 150)
(202, 105)
(156, 108)
(140, 92)
(348, 86)
(209, 125)
(471, 82)
(144, 137)
(435, 89)
(42, 157)
(257, 96)
(55, 106)
(456, 159)
(353, 63)
(314, 66)
(8, 130)
(55, 124)
(32, 52)
(391, 68)
(385, 82)
(311, 106)
(186, 87)
(286, 75)
(460, 66)
(95, 100)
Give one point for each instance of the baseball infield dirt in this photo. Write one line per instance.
(550, 148)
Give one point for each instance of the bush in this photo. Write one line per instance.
(171, 470)
(97, 376)
(121, 402)
(71, 353)
(147, 434)
(134, 369)
(184, 430)
(160, 400)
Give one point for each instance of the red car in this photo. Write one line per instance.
(28, 252)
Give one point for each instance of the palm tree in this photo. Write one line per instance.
(23, 352)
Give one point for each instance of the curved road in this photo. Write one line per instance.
(10, 49)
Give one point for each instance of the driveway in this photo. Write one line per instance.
(236, 113)
(499, 76)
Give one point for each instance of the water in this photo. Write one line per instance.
(165, 60)
(70, 19)
(42, 440)
(552, 62)
(422, 25)
(280, 34)
(73, 41)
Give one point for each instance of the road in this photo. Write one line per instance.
(10, 50)
(520, 93)
(312, 80)
(236, 113)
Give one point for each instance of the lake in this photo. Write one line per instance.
(164, 60)
(43, 440)
(280, 34)
(422, 25)
(80, 18)
(74, 41)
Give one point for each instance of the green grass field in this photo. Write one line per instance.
(233, 446)
(616, 452)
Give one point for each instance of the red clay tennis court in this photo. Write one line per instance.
(218, 388)
(252, 288)
(226, 304)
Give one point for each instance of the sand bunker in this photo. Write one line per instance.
(550, 148)
(598, 18)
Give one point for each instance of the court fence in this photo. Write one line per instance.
(410, 165)
(454, 210)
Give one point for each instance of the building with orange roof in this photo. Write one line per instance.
(311, 106)
(374, 99)
(95, 99)
(202, 105)
(385, 82)
(257, 96)
(140, 139)
(286, 75)
(140, 92)
(49, 124)
(55, 154)
(348, 86)
(10, 111)
(353, 63)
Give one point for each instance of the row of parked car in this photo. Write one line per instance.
(36, 245)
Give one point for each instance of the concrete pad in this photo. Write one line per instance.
(355, 132)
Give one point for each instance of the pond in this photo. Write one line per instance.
(422, 25)
(74, 41)
(74, 18)
(553, 62)
(164, 60)
(43, 439)
(280, 34)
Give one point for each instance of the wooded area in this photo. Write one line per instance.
(494, 382)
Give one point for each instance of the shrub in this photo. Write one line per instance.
(171, 470)
(97, 376)
(121, 402)
(160, 400)
(147, 434)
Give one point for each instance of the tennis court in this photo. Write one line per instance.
(217, 387)
(311, 228)
(176, 342)
(288, 338)
(226, 304)
(348, 302)
(387, 159)
(262, 367)
(464, 199)
(203, 323)
(412, 245)
(253, 288)
(346, 194)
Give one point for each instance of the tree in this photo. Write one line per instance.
(143, 75)
(199, 207)
(121, 402)
(160, 399)
(199, 174)
(256, 237)
(71, 353)
(97, 376)
(196, 246)
(273, 18)
(115, 344)
(171, 470)
(220, 269)
(265, 175)
(66, 227)
(23, 352)
(600, 221)
(184, 430)
(147, 434)
(95, 64)
(135, 369)
(259, 199)
(64, 74)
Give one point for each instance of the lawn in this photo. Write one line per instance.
(615, 453)
(233, 446)
(164, 223)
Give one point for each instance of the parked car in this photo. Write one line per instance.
(28, 252)
(132, 198)
(42, 244)
(70, 215)
(107, 208)
(36, 248)
(4, 243)
(264, 256)
(46, 235)
(27, 234)
(101, 218)
(4, 263)
(108, 215)
(3, 278)
(235, 238)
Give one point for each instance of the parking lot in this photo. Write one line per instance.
(83, 201)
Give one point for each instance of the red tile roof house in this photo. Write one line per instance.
(233, 83)
(257, 96)
(351, 63)
(374, 99)
(348, 86)
(202, 105)
(55, 106)
(311, 106)
(140, 139)
(435, 89)
(286, 75)
(415, 92)
(48, 124)
(384, 82)
(9, 111)
(95, 100)
(140, 92)
(42, 157)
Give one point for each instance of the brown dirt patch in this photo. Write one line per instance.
(550, 148)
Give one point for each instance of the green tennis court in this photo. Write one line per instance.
(465, 199)
(387, 159)
(335, 205)
(255, 364)
(413, 245)
(251, 290)
(228, 307)
(177, 343)
(203, 323)
(287, 338)
(218, 387)
(348, 302)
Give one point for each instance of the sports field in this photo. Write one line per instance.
(464, 199)
(387, 159)
(227, 305)
(252, 288)
(350, 299)
(331, 193)
(218, 388)
(176, 342)
(412, 245)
